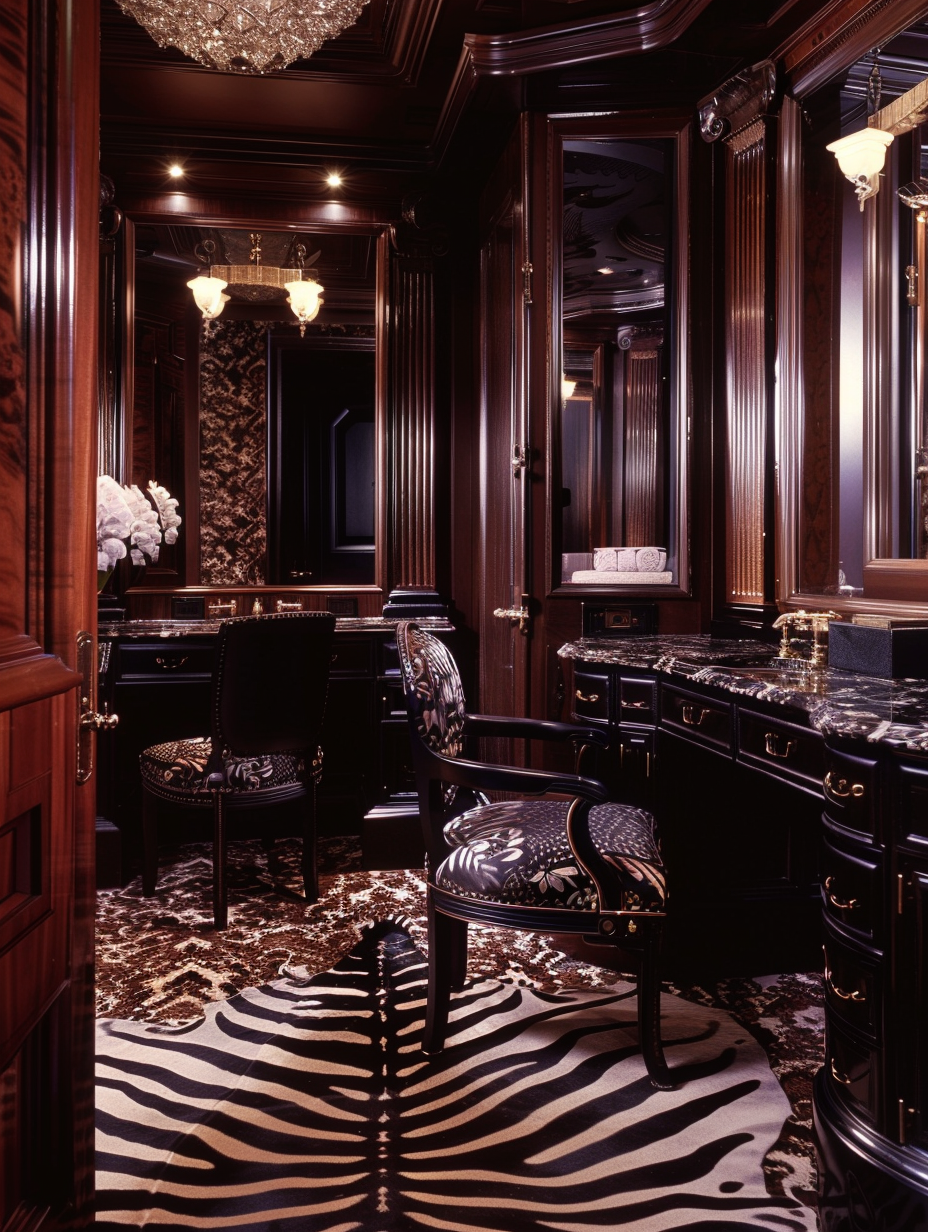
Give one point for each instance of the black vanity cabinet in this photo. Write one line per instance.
(871, 1095)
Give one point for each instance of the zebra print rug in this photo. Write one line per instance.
(307, 1104)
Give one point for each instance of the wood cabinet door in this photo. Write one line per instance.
(504, 471)
(48, 298)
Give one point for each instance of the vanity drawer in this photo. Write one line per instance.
(849, 784)
(853, 992)
(352, 656)
(707, 721)
(592, 691)
(852, 889)
(637, 700)
(784, 749)
(166, 659)
(852, 1066)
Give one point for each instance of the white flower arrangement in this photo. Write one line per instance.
(133, 521)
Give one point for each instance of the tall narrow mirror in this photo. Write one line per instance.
(618, 440)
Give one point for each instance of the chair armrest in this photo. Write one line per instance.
(532, 729)
(624, 880)
(483, 776)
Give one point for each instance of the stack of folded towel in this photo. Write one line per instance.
(626, 567)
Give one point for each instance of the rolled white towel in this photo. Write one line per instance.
(650, 560)
(626, 560)
(604, 559)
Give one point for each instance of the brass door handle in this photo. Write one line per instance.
(846, 904)
(170, 665)
(856, 995)
(99, 722)
(773, 748)
(587, 697)
(841, 789)
(694, 715)
(521, 614)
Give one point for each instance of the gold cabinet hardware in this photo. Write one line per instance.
(841, 789)
(900, 893)
(634, 705)
(838, 1076)
(843, 904)
(289, 605)
(170, 665)
(587, 697)
(774, 748)
(521, 614)
(527, 272)
(840, 993)
(218, 608)
(905, 1115)
(693, 715)
(257, 608)
(88, 718)
(911, 285)
(519, 459)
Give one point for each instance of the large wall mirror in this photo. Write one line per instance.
(863, 421)
(266, 434)
(620, 439)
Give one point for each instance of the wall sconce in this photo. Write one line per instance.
(861, 157)
(567, 388)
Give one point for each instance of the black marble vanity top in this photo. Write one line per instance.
(833, 701)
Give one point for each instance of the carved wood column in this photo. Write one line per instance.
(736, 114)
(411, 506)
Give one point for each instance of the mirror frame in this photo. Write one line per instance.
(177, 211)
(628, 126)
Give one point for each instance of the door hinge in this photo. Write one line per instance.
(527, 271)
(520, 456)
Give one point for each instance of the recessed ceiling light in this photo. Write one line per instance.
(605, 270)
(333, 179)
(175, 171)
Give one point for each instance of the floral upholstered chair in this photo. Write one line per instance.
(268, 701)
(579, 864)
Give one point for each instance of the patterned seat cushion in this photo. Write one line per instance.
(516, 851)
(179, 768)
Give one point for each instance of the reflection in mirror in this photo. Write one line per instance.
(615, 404)
(200, 399)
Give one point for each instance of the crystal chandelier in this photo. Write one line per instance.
(244, 36)
(305, 294)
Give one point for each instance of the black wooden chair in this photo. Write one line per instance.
(268, 700)
(583, 865)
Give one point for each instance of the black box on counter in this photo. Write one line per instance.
(890, 649)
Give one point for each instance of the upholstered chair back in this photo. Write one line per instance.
(433, 689)
(270, 682)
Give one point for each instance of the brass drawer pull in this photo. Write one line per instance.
(635, 705)
(856, 995)
(773, 748)
(845, 904)
(838, 1076)
(223, 609)
(694, 715)
(587, 697)
(171, 665)
(841, 789)
(287, 605)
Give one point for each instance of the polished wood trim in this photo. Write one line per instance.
(239, 211)
(36, 678)
(789, 393)
(881, 445)
(903, 581)
(646, 28)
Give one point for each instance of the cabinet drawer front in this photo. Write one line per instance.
(702, 719)
(852, 1067)
(170, 658)
(849, 785)
(592, 691)
(352, 656)
(637, 700)
(852, 979)
(851, 889)
(783, 748)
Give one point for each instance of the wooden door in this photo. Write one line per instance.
(48, 295)
(504, 447)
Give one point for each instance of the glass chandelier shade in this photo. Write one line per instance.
(208, 294)
(305, 300)
(244, 36)
(861, 157)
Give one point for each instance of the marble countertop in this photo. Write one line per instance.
(147, 629)
(832, 701)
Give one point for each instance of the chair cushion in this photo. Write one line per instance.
(178, 767)
(516, 851)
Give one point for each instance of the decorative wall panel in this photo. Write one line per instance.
(642, 447)
(233, 463)
(746, 383)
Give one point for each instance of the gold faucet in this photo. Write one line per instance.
(804, 622)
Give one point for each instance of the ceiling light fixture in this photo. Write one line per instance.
(244, 36)
(175, 171)
(333, 179)
(305, 294)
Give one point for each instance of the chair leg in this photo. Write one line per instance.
(220, 894)
(649, 1009)
(310, 873)
(447, 947)
(149, 843)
